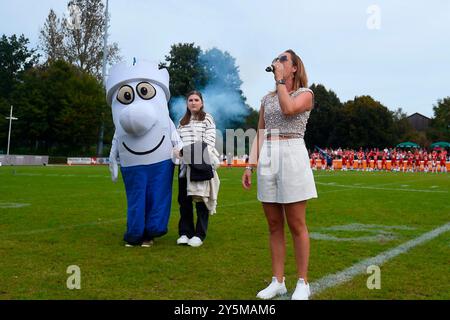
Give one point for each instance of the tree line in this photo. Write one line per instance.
(365, 122)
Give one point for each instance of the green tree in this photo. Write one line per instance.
(403, 130)
(4, 124)
(15, 58)
(78, 38)
(251, 121)
(221, 69)
(59, 108)
(366, 123)
(439, 129)
(223, 88)
(215, 74)
(326, 114)
(185, 72)
(52, 38)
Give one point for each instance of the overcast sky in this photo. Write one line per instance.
(396, 51)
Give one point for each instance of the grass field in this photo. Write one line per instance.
(54, 217)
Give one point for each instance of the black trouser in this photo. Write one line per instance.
(186, 224)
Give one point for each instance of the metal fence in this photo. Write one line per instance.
(23, 160)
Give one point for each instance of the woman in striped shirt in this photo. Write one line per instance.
(196, 125)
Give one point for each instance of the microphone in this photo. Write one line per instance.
(271, 68)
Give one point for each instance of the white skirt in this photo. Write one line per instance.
(284, 172)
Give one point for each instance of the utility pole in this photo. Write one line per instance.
(105, 58)
(10, 118)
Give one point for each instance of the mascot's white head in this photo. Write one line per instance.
(138, 94)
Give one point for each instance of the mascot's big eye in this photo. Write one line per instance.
(125, 94)
(145, 90)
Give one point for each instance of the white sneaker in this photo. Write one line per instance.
(147, 244)
(274, 289)
(195, 242)
(302, 291)
(183, 240)
(128, 245)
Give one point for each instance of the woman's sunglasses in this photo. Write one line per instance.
(281, 59)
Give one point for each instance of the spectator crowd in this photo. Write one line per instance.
(388, 159)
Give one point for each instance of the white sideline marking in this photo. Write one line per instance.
(324, 175)
(329, 191)
(380, 232)
(361, 226)
(375, 238)
(63, 227)
(9, 205)
(376, 188)
(361, 185)
(62, 175)
(372, 186)
(361, 267)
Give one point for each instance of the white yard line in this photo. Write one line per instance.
(407, 181)
(377, 188)
(358, 185)
(330, 191)
(338, 278)
(62, 227)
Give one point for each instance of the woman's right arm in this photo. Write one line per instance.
(259, 139)
(254, 153)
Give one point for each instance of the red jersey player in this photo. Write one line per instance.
(442, 161)
(434, 161)
(394, 161)
(402, 161)
(416, 164)
(383, 161)
(344, 161)
(360, 156)
(425, 162)
(351, 159)
(409, 161)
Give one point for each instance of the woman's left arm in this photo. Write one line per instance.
(294, 105)
(210, 131)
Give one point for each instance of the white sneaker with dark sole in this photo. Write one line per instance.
(274, 289)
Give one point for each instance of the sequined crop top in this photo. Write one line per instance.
(276, 121)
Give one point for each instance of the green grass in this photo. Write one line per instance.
(76, 216)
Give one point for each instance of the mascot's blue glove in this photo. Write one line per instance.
(113, 160)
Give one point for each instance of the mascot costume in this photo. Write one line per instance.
(144, 143)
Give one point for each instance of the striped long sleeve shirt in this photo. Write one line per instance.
(199, 130)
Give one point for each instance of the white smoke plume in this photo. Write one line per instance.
(222, 96)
